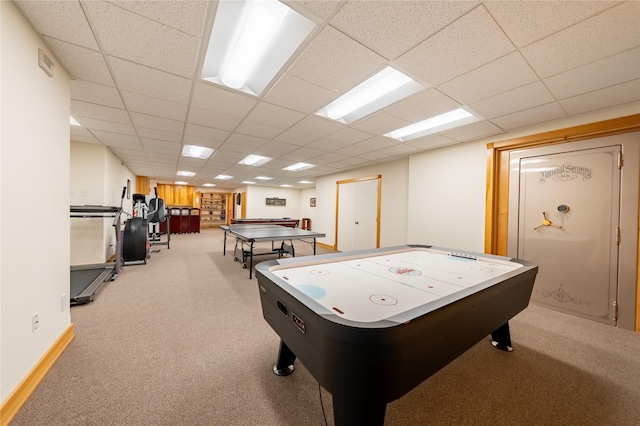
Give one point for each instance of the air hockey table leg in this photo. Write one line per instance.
(501, 338)
(348, 412)
(286, 358)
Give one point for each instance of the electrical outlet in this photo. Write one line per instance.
(35, 322)
(64, 303)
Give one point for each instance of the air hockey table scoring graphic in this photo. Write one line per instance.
(381, 287)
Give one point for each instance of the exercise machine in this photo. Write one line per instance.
(88, 280)
(137, 241)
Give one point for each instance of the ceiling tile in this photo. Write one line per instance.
(380, 123)
(539, 114)
(106, 135)
(212, 119)
(391, 28)
(62, 20)
(519, 99)
(336, 62)
(295, 138)
(87, 91)
(348, 135)
(379, 142)
(154, 106)
(157, 123)
(159, 135)
(326, 145)
(274, 115)
(316, 126)
(130, 36)
(186, 16)
(473, 131)
(603, 98)
(426, 104)
(529, 21)
(248, 127)
(164, 147)
(84, 110)
(496, 77)
(82, 63)
(285, 94)
(150, 82)
(596, 75)
(206, 133)
(213, 98)
(469, 42)
(323, 9)
(430, 142)
(608, 33)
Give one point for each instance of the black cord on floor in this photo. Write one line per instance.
(324, 415)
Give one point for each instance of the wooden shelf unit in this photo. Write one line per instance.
(213, 209)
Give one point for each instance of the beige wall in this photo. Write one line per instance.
(34, 201)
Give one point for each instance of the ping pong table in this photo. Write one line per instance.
(247, 235)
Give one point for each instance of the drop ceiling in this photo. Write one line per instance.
(136, 87)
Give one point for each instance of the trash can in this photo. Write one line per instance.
(306, 223)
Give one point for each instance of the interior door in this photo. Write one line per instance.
(568, 223)
(357, 215)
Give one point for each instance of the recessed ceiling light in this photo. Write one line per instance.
(263, 178)
(386, 87)
(305, 181)
(254, 160)
(223, 177)
(209, 184)
(439, 123)
(185, 173)
(180, 183)
(251, 41)
(298, 166)
(286, 185)
(248, 182)
(195, 151)
(73, 121)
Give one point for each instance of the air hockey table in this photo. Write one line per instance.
(372, 325)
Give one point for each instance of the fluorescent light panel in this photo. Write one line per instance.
(185, 173)
(383, 89)
(73, 121)
(298, 166)
(439, 123)
(248, 182)
(254, 160)
(251, 41)
(305, 181)
(209, 184)
(286, 185)
(263, 178)
(180, 183)
(195, 151)
(223, 177)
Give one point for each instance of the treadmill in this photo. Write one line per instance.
(88, 280)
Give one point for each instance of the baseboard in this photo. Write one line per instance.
(326, 246)
(21, 394)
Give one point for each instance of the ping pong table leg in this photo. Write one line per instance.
(314, 246)
(224, 248)
(251, 260)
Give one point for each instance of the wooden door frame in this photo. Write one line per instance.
(341, 182)
(497, 190)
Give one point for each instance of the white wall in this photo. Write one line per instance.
(34, 210)
(257, 207)
(393, 216)
(446, 197)
(97, 178)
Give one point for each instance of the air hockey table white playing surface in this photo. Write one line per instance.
(369, 287)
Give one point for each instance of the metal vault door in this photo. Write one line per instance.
(568, 223)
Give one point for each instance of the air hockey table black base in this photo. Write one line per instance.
(365, 366)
